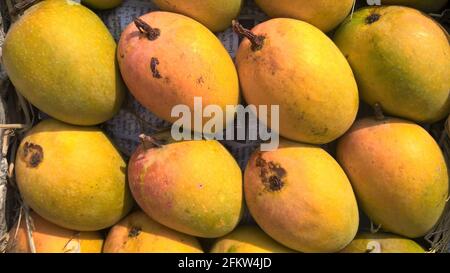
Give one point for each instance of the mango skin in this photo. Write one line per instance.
(214, 14)
(324, 14)
(102, 4)
(318, 102)
(248, 239)
(387, 243)
(77, 181)
(50, 238)
(400, 61)
(398, 173)
(137, 233)
(61, 57)
(175, 67)
(199, 193)
(424, 5)
(301, 197)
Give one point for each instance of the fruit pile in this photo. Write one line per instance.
(333, 166)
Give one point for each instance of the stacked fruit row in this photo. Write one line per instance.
(60, 56)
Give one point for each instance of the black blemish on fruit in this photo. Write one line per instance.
(200, 81)
(33, 154)
(272, 174)
(153, 67)
(372, 18)
(134, 232)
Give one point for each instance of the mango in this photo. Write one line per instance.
(248, 239)
(300, 196)
(60, 56)
(382, 243)
(324, 14)
(424, 5)
(194, 187)
(167, 59)
(50, 238)
(400, 58)
(72, 176)
(398, 173)
(214, 14)
(137, 233)
(292, 64)
(101, 4)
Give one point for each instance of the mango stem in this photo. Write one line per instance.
(149, 142)
(144, 28)
(378, 112)
(256, 40)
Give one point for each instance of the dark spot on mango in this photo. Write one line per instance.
(33, 154)
(272, 175)
(372, 18)
(275, 183)
(153, 67)
(134, 232)
(200, 81)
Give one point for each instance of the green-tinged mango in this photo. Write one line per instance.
(248, 239)
(424, 5)
(292, 64)
(382, 243)
(214, 14)
(300, 196)
(137, 233)
(398, 173)
(60, 56)
(401, 60)
(72, 176)
(194, 187)
(101, 4)
(324, 14)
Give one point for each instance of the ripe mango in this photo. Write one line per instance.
(101, 4)
(170, 59)
(301, 197)
(398, 173)
(400, 58)
(138, 233)
(424, 5)
(50, 238)
(382, 243)
(248, 239)
(214, 14)
(194, 187)
(324, 14)
(72, 176)
(60, 56)
(292, 64)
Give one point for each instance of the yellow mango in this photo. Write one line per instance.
(300, 196)
(214, 14)
(401, 60)
(138, 233)
(72, 176)
(292, 64)
(398, 173)
(50, 238)
(198, 193)
(248, 239)
(382, 243)
(324, 14)
(61, 57)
